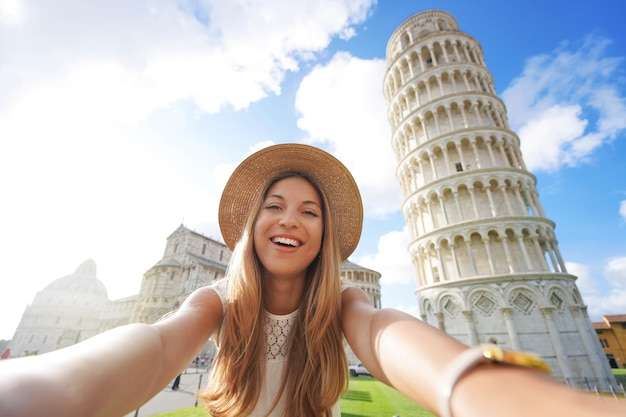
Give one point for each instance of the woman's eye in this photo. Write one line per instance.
(272, 207)
(310, 213)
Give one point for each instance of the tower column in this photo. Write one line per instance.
(522, 246)
(474, 206)
(446, 159)
(492, 268)
(433, 57)
(492, 206)
(431, 160)
(520, 199)
(468, 315)
(505, 196)
(561, 356)
(455, 259)
(590, 344)
(450, 119)
(555, 265)
(535, 240)
(442, 272)
(492, 158)
(443, 209)
(455, 47)
(459, 212)
(509, 259)
(505, 159)
(470, 254)
(440, 85)
(459, 148)
(440, 323)
(422, 215)
(464, 115)
(507, 313)
(476, 157)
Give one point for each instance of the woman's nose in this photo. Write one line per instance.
(289, 219)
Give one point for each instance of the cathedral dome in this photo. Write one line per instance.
(82, 281)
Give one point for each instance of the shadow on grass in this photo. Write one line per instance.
(358, 396)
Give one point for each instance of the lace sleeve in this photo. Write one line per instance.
(221, 289)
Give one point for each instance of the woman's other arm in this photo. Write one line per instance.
(114, 372)
(410, 355)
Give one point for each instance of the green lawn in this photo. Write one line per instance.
(185, 412)
(366, 397)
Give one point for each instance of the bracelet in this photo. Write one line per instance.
(473, 357)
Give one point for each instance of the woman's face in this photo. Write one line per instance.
(289, 228)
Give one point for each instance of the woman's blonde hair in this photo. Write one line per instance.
(316, 374)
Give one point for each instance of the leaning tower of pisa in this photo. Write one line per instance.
(486, 259)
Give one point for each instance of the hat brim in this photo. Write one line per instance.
(333, 179)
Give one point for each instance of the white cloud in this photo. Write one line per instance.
(223, 171)
(566, 104)
(157, 53)
(546, 136)
(603, 292)
(585, 283)
(615, 272)
(410, 309)
(611, 302)
(10, 12)
(622, 209)
(392, 260)
(83, 160)
(341, 104)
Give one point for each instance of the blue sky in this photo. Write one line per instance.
(121, 119)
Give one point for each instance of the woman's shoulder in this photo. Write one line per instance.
(220, 287)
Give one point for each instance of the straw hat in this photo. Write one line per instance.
(334, 180)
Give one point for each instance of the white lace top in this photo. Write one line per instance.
(277, 329)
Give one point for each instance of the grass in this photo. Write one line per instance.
(366, 397)
(185, 412)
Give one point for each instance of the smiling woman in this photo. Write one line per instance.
(291, 213)
(287, 252)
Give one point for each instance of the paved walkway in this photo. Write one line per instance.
(168, 400)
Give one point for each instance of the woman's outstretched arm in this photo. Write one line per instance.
(411, 356)
(112, 373)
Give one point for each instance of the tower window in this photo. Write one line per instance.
(459, 167)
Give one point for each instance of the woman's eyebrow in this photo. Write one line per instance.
(307, 202)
